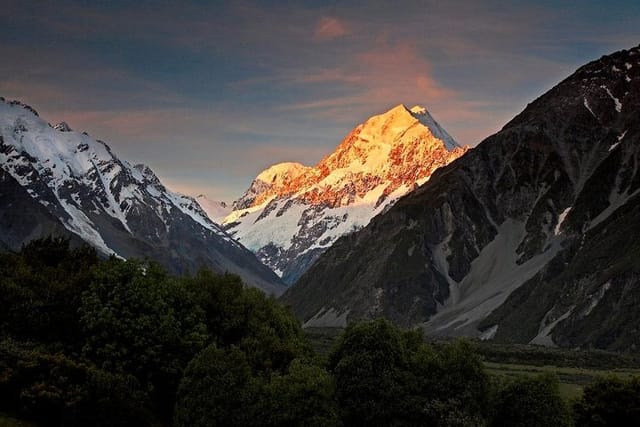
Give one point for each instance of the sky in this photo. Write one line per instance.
(210, 93)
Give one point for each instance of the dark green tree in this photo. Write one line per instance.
(268, 333)
(370, 363)
(219, 389)
(302, 397)
(450, 387)
(271, 335)
(387, 376)
(530, 402)
(609, 402)
(140, 321)
(54, 390)
(219, 296)
(40, 290)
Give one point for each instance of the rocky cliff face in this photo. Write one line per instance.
(292, 213)
(532, 236)
(57, 181)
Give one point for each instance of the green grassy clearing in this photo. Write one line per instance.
(7, 421)
(572, 379)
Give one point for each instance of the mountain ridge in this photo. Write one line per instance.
(291, 213)
(120, 209)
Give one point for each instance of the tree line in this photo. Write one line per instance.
(92, 342)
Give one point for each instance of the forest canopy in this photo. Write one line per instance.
(95, 342)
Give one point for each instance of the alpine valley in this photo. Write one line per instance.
(292, 213)
(54, 181)
(532, 236)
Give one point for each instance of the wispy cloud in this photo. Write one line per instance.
(329, 28)
(379, 78)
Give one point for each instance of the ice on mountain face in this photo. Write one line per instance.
(594, 299)
(617, 199)
(544, 335)
(616, 101)
(586, 104)
(561, 218)
(489, 333)
(275, 180)
(83, 227)
(614, 145)
(115, 210)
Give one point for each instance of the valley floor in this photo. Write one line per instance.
(575, 369)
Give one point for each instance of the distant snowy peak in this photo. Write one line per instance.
(274, 181)
(282, 173)
(215, 210)
(292, 212)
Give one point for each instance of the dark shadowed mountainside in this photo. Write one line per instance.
(532, 236)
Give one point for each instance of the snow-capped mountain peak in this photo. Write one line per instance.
(291, 213)
(275, 180)
(422, 114)
(282, 172)
(80, 186)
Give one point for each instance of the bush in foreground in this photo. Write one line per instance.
(530, 402)
(220, 388)
(55, 390)
(609, 402)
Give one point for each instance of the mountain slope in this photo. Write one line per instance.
(292, 213)
(55, 180)
(531, 236)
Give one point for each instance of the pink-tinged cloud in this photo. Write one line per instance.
(385, 75)
(330, 28)
(389, 74)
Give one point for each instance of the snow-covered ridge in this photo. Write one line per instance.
(85, 176)
(279, 173)
(293, 212)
